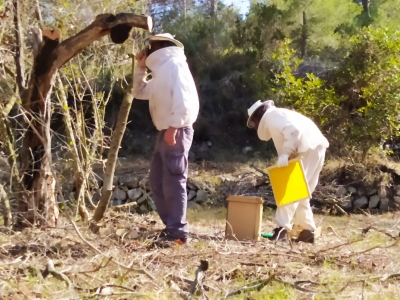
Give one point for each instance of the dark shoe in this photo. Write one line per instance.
(306, 236)
(163, 233)
(168, 241)
(279, 234)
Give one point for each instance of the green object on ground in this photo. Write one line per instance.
(266, 235)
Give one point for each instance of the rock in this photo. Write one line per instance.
(124, 188)
(347, 203)
(201, 196)
(144, 183)
(130, 182)
(352, 190)
(119, 194)
(396, 199)
(96, 196)
(370, 192)
(191, 195)
(142, 199)
(382, 191)
(115, 202)
(397, 189)
(360, 192)
(341, 192)
(134, 194)
(191, 186)
(209, 144)
(143, 209)
(374, 201)
(115, 181)
(193, 205)
(384, 204)
(361, 202)
(247, 149)
(150, 202)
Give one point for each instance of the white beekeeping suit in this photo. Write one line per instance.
(294, 135)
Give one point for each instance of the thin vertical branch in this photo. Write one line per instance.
(6, 207)
(19, 48)
(38, 13)
(114, 148)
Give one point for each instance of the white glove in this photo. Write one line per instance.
(283, 160)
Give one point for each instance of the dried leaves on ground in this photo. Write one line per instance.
(355, 258)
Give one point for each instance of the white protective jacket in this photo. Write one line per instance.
(171, 92)
(290, 131)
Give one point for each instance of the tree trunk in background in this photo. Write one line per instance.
(36, 164)
(213, 12)
(112, 157)
(365, 4)
(184, 8)
(304, 36)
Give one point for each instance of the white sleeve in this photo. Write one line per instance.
(182, 82)
(141, 87)
(291, 137)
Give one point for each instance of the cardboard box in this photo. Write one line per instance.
(244, 218)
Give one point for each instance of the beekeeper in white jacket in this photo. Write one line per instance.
(294, 135)
(174, 106)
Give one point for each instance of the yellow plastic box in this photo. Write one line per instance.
(289, 183)
(244, 218)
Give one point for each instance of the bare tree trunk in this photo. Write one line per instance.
(36, 164)
(19, 50)
(365, 4)
(213, 8)
(38, 13)
(184, 8)
(304, 36)
(113, 152)
(6, 207)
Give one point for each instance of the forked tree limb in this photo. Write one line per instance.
(52, 54)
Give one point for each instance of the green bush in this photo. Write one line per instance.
(359, 105)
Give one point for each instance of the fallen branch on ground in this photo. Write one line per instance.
(60, 276)
(255, 287)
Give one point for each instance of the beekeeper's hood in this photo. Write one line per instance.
(163, 37)
(254, 107)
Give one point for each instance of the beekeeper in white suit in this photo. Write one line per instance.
(294, 135)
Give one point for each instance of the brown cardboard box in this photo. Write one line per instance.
(244, 217)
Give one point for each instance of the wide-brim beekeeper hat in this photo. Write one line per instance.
(163, 37)
(254, 107)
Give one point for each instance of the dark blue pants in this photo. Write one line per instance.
(168, 176)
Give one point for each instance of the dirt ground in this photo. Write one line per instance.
(120, 262)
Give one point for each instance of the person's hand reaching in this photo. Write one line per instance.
(283, 160)
(141, 59)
